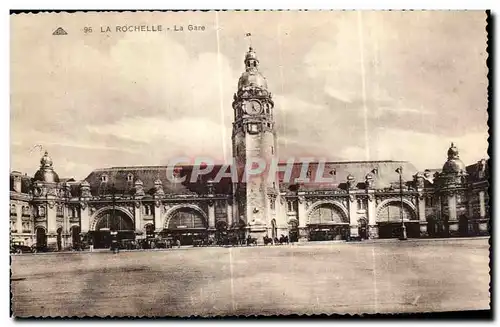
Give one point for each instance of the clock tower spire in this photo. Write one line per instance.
(254, 144)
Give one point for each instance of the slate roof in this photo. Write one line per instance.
(117, 177)
(383, 172)
(473, 172)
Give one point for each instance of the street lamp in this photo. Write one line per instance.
(403, 227)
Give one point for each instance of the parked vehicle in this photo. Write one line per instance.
(40, 248)
(19, 247)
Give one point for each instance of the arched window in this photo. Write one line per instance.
(12, 209)
(26, 211)
(220, 210)
(362, 204)
(186, 218)
(104, 178)
(59, 211)
(326, 214)
(391, 213)
(26, 227)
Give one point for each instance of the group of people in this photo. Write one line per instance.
(282, 240)
(154, 243)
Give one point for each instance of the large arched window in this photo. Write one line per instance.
(325, 214)
(184, 218)
(114, 220)
(391, 213)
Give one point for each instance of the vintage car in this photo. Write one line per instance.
(41, 248)
(19, 247)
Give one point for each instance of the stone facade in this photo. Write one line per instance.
(369, 199)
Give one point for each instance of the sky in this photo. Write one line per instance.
(347, 86)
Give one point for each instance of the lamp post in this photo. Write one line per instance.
(403, 226)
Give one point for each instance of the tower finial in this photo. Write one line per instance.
(249, 36)
(453, 151)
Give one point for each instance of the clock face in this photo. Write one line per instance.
(253, 107)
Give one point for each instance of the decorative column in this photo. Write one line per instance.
(302, 216)
(67, 223)
(353, 222)
(470, 204)
(229, 213)
(211, 215)
(84, 218)
(51, 224)
(159, 194)
(19, 221)
(139, 194)
(302, 211)
(482, 205)
(453, 228)
(483, 223)
(419, 184)
(372, 216)
(157, 216)
(84, 210)
(211, 205)
(137, 216)
(421, 215)
(65, 228)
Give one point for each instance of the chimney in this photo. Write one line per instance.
(17, 181)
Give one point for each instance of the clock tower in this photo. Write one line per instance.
(255, 144)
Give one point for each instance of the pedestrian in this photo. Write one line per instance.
(91, 244)
(179, 243)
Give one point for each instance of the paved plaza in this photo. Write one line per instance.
(365, 277)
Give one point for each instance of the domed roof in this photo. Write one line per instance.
(454, 164)
(254, 79)
(46, 173)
